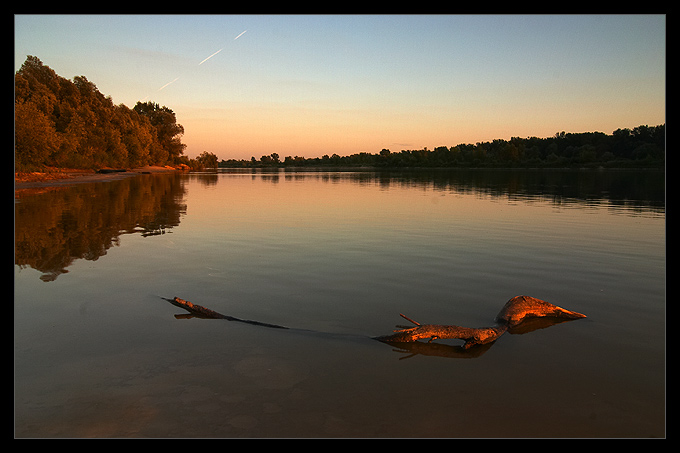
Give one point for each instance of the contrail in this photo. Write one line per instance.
(168, 84)
(241, 34)
(210, 56)
(177, 78)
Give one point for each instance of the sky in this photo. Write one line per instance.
(307, 85)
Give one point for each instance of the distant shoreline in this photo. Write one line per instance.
(426, 168)
(60, 177)
(64, 177)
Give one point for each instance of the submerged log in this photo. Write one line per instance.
(471, 335)
(516, 312)
(521, 308)
(198, 311)
(519, 315)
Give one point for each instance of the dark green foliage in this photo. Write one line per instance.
(65, 123)
(70, 124)
(642, 147)
(207, 160)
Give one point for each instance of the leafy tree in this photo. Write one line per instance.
(64, 123)
(168, 131)
(34, 135)
(207, 160)
(643, 146)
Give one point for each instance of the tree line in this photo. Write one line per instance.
(70, 124)
(641, 147)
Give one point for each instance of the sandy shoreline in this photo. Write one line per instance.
(68, 177)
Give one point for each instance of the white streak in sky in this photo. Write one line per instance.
(168, 84)
(210, 56)
(241, 34)
(173, 81)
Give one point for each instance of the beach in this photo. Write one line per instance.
(64, 177)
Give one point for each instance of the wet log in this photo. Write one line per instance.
(471, 335)
(522, 308)
(198, 311)
(517, 316)
(516, 313)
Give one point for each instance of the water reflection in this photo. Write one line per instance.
(634, 191)
(338, 252)
(55, 228)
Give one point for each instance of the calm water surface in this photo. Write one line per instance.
(99, 353)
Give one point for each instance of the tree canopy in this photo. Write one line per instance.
(643, 146)
(70, 124)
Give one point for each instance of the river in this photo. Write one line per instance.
(338, 255)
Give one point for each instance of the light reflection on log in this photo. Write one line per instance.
(520, 315)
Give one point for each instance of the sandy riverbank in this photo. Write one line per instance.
(65, 177)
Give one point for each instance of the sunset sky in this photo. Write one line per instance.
(312, 85)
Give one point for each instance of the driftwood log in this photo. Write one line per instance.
(521, 314)
(515, 313)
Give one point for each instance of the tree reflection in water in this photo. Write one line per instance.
(56, 227)
(82, 221)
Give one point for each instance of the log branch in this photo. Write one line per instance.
(517, 316)
(471, 336)
(198, 311)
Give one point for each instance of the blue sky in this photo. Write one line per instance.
(311, 85)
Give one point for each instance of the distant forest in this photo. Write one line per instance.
(70, 124)
(641, 147)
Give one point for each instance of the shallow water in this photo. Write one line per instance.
(338, 255)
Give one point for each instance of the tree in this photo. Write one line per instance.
(34, 135)
(169, 133)
(271, 160)
(59, 122)
(207, 160)
(34, 102)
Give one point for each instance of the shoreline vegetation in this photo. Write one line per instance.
(67, 131)
(643, 147)
(61, 123)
